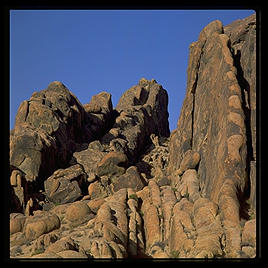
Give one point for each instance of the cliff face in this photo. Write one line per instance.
(97, 182)
(218, 117)
(218, 120)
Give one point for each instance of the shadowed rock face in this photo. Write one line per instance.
(152, 97)
(90, 181)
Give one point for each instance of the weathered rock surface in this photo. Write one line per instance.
(142, 111)
(242, 34)
(64, 186)
(46, 128)
(218, 120)
(131, 179)
(89, 181)
(112, 164)
(100, 114)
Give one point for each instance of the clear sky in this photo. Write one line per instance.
(105, 50)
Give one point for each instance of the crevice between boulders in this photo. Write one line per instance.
(193, 91)
(245, 93)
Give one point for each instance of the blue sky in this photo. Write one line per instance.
(105, 50)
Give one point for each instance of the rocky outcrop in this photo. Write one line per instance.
(140, 113)
(216, 121)
(46, 130)
(53, 130)
(90, 181)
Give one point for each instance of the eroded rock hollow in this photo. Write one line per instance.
(93, 181)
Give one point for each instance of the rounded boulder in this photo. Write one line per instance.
(77, 211)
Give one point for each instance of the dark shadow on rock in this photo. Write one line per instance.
(145, 168)
(15, 205)
(114, 219)
(243, 205)
(245, 90)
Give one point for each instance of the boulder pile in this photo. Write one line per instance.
(93, 181)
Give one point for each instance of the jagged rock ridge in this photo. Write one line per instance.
(90, 181)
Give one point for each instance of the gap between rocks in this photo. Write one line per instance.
(245, 93)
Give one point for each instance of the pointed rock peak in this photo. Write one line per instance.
(214, 26)
(145, 82)
(100, 103)
(56, 85)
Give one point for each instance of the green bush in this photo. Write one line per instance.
(174, 254)
(133, 196)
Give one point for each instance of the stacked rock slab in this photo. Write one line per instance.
(213, 121)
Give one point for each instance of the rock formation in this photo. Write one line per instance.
(218, 121)
(92, 181)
